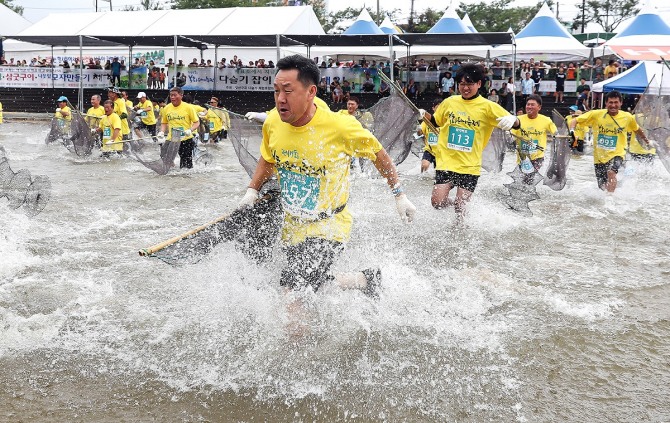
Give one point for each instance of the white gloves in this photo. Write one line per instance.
(651, 144)
(259, 117)
(187, 133)
(58, 110)
(249, 198)
(506, 122)
(160, 134)
(202, 114)
(405, 208)
(422, 113)
(94, 131)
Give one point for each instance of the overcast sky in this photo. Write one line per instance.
(34, 10)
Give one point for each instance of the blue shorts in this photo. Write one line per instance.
(427, 155)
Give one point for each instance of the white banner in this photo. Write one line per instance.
(26, 77)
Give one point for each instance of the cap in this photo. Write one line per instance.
(62, 98)
(574, 108)
(141, 94)
(115, 90)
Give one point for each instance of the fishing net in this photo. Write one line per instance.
(74, 134)
(559, 154)
(522, 191)
(154, 154)
(21, 190)
(494, 152)
(394, 125)
(59, 130)
(253, 230)
(246, 136)
(653, 115)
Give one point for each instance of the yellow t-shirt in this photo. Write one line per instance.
(119, 109)
(129, 104)
(365, 118)
(150, 118)
(108, 124)
(0, 112)
(609, 133)
(312, 163)
(634, 147)
(67, 110)
(534, 130)
(94, 115)
(214, 121)
(430, 138)
(579, 131)
(181, 117)
(465, 129)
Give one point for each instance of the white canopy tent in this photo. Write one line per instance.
(544, 38)
(647, 37)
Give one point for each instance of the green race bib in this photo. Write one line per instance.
(460, 139)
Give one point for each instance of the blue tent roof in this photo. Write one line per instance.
(364, 25)
(646, 23)
(634, 81)
(544, 24)
(450, 23)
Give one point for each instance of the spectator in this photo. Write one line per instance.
(493, 96)
(560, 84)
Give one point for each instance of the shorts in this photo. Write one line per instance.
(309, 262)
(642, 158)
(427, 155)
(461, 180)
(602, 168)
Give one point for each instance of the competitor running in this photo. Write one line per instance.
(114, 94)
(309, 148)
(145, 110)
(63, 111)
(180, 115)
(110, 128)
(430, 141)
(610, 127)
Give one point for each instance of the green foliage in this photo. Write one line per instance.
(498, 16)
(144, 5)
(8, 3)
(423, 21)
(607, 13)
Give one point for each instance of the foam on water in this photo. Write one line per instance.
(461, 311)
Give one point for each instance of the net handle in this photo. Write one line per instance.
(146, 252)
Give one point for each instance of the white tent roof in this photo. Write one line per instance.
(647, 37)
(388, 27)
(12, 22)
(468, 22)
(544, 38)
(225, 21)
(449, 23)
(363, 25)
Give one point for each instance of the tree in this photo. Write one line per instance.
(498, 16)
(144, 5)
(8, 3)
(607, 13)
(424, 21)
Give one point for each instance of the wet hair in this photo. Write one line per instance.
(354, 99)
(308, 73)
(536, 98)
(614, 94)
(178, 90)
(470, 72)
(110, 102)
(97, 96)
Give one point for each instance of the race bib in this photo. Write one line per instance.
(299, 193)
(432, 138)
(529, 147)
(460, 139)
(607, 142)
(106, 133)
(211, 125)
(527, 166)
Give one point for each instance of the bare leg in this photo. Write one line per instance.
(425, 164)
(351, 280)
(610, 186)
(440, 197)
(462, 197)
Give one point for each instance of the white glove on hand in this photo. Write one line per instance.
(258, 117)
(187, 132)
(249, 198)
(406, 209)
(58, 110)
(506, 122)
(202, 114)
(651, 144)
(160, 135)
(94, 131)
(422, 113)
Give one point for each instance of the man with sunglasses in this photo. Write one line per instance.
(610, 127)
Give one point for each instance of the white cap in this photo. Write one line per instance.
(141, 94)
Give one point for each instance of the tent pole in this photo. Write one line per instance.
(130, 64)
(174, 74)
(216, 63)
(513, 76)
(53, 83)
(278, 48)
(391, 55)
(80, 97)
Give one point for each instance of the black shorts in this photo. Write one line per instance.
(151, 129)
(461, 180)
(643, 158)
(603, 168)
(309, 262)
(427, 155)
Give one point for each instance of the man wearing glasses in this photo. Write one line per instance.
(466, 122)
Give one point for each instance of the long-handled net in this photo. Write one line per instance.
(75, 134)
(494, 152)
(653, 115)
(155, 155)
(559, 155)
(23, 190)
